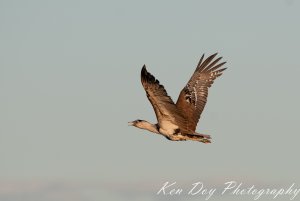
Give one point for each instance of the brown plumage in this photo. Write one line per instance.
(178, 121)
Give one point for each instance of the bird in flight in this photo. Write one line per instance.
(177, 122)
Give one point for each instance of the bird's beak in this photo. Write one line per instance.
(130, 123)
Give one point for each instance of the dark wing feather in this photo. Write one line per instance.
(163, 105)
(193, 97)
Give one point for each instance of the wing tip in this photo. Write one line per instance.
(144, 71)
(203, 63)
(147, 77)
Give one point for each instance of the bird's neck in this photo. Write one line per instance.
(150, 127)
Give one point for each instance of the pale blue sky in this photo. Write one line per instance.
(69, 82)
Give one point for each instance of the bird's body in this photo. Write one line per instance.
(177, 122)
(167, 128)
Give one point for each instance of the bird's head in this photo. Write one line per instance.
(137, 123)
(142, 124)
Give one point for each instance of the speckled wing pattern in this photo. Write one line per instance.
(193, 97)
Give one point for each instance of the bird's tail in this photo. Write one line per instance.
(202, 139)
(199, 137)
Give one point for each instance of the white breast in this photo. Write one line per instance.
(167, 127)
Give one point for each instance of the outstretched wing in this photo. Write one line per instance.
(163, 105)
(193, 97)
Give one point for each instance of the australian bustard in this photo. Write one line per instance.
(178, 121)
